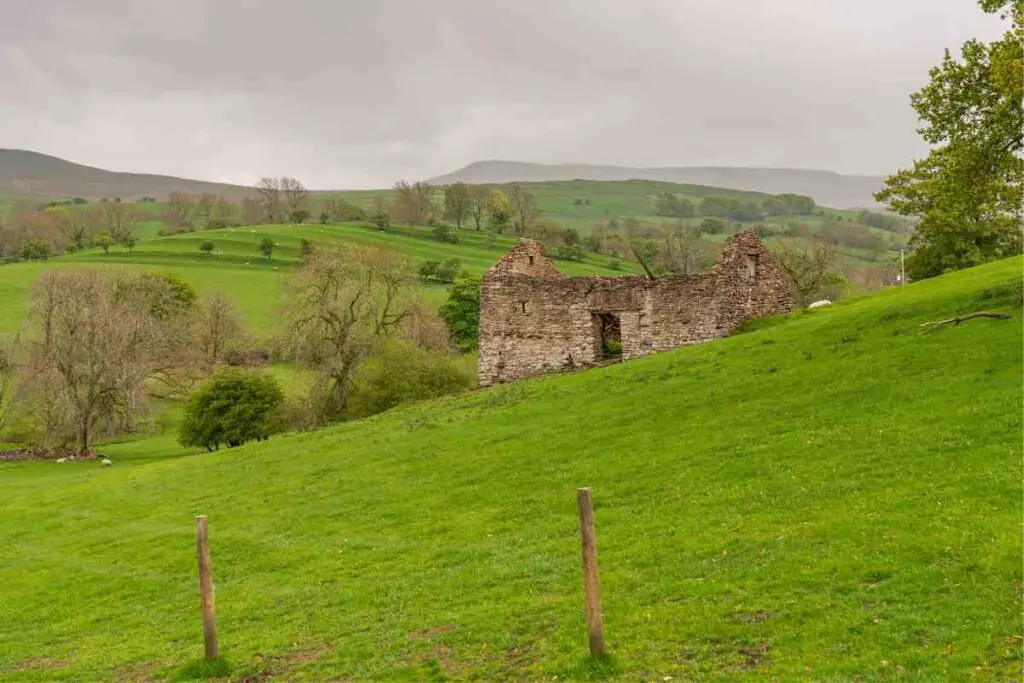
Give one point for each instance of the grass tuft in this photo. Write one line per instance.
(202, 669)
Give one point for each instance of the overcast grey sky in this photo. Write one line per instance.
(353, 93)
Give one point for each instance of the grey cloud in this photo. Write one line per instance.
(359, 93)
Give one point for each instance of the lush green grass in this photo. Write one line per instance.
(832, 497)
(237, 268)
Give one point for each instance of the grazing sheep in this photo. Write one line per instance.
(62, 459)
(819, 304)
(106, 462)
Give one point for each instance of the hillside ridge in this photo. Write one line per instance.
(24, 173)
(826, 187)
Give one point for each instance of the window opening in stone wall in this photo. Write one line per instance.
(531, 260)
(522, 306)
(610, 335)
(751, 268)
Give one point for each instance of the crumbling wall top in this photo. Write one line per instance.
(525, 258)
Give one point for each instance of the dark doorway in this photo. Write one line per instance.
(609, 335)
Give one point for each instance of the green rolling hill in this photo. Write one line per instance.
(832, 496)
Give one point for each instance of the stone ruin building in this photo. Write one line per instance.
(534, 320)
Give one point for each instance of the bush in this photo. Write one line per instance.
(235, 407)
(404, 372)
(461, 313)
(306, 247)
(299, 216)
(615, 263)
(206, 247)
(443, 233)
(428, 269)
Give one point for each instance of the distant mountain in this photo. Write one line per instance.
(31, 174)
(827, 188)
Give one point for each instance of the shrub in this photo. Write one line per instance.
(461, 313)
(428, 270)
(235, 407)
(443, 233)
(615, 263)
(403, 372)
(299, 216)
(266, 246)
(306, 246)
(206, 247)
(448, 270)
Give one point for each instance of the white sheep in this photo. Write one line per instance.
(819, 304)
(106, 462)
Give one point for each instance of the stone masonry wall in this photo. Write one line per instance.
(533, 320)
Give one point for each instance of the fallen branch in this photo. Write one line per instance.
(932, 326)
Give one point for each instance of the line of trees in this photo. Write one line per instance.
(668, 204)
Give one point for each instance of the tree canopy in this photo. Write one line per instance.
(968, 190)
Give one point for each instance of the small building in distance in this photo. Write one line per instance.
(534, 320)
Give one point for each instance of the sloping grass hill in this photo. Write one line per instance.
(833, 496)
(237, 268)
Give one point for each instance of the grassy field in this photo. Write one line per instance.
(832, 496)
(237, 268)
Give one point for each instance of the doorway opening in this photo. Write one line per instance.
(609, 331)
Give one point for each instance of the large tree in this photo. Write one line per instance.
(457, 203)
(969, 189)
(340, 307)
(413, 203)
(525, 211)
(98, 339)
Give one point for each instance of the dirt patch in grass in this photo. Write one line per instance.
(42, 664)
(431, 632)
(753, 617)
(271, 667)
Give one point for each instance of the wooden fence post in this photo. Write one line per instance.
(591, 584)
(210, 648)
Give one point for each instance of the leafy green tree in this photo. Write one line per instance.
(499, 210)
(235, 407)
(130, 240)
(267, 246)
(461, 313)
(712, 226)
(206, 247)
(715, 206)
(428, 270)
(36, 249)
(103, 240)
(448, 270)
(969, 190)
(299, 216)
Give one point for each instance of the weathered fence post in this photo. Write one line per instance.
(206, 588)
(591, 584)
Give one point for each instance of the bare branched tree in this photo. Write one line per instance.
(218, 326)
(478, 206)
(340, 308)
(9, 370)
(98, 338)
(119, 219)
(525, 211)
(269, 198)
(295, 195)
(810, 268)
(457, 203)
(181, 210)
(414, 203)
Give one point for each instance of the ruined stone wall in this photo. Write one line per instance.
(533, 320)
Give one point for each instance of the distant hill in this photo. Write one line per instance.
(827, 188)
(31, 174)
